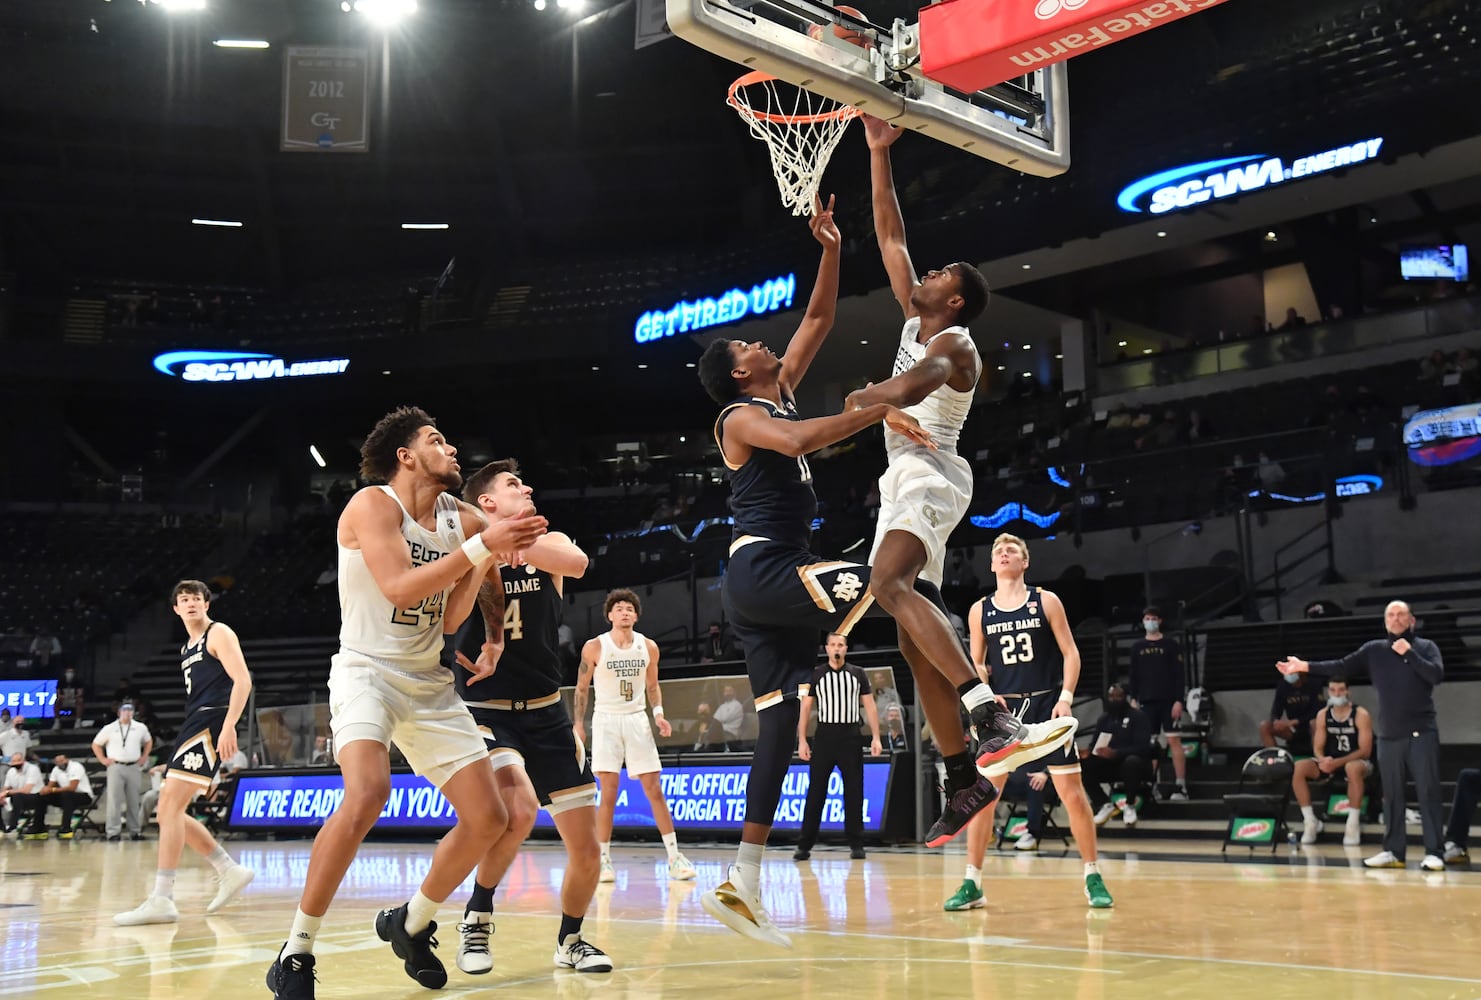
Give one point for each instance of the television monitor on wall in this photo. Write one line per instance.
(1431, 262)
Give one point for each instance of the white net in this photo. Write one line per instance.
(800, 129)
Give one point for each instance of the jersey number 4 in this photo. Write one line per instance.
(1017, 648)
(514, 625)
(626, 689)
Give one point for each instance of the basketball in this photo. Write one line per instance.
(857, 38)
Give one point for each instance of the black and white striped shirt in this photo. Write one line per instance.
(837, 693)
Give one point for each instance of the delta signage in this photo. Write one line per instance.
(1214, 180)
(30, 699)
(237, 366)
(729, 307)
(700, 797)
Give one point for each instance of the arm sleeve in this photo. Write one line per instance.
(1346, 666)
(1424, 659)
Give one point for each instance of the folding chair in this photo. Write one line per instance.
(85, 820)
(214, 808)
(1259, 818)
(1015, 797)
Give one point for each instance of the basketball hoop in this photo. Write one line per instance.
(800, 133)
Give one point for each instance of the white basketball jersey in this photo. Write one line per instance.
(409, 638)
(621, 678)
(945, 410)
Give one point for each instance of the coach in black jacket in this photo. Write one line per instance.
(1404, 669)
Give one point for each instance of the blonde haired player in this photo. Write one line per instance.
(1021, 637)
(622, 667)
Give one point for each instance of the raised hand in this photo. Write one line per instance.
(1292, 665)
(507, 537)
(879, 133)
(824, 230)
(905, 425)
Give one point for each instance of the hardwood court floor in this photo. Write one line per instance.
(1185, 925)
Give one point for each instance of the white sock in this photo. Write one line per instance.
(419, 913)
(671, 844)
(748, 865)
(1308, 814)
(220, 860)
(980, 694)
(301, 937)
(1354, 818)
(606, 850)
(974, 875)
(164, 883)
(1092, 868)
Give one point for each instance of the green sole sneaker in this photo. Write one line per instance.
(1096, 893)
(967, 897)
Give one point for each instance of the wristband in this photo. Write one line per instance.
(476, 551)
(1067, 696)
(990, 695)
(657, 711)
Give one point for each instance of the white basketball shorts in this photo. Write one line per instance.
(419, 711)
(623, 737)
(925, 493)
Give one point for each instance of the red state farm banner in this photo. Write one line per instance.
(972, 44)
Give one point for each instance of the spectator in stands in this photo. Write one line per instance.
(1404, 668)
(71, 700)
(19, 790)
(1028, 785)
(1198, 430)
(895, 740)
(1464, 361)
(1120, 754)
(67, 788)
(717, 645)
(1342, 745)
(125, 691)
(1462, 811)
(1433, 367)
(322, 755)
(731, 714)
(123, 747)
(709, 734)
(1157, 684)
(1270, 472)
(1295, 704)
(44, 647)
(1294, 320)
(13, 737)
(1325, 609)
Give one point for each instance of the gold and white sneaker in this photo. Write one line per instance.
(738, 908)
(1040, 739)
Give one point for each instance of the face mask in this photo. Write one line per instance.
(1293, 678)
(1151, 624)
(1117, 706)
(1337, 701)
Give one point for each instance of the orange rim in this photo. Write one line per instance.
(840, 113)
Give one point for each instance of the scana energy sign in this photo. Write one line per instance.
(731, 307)
(235, 366)
(1212, 180)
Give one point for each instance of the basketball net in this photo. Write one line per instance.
(800, 129)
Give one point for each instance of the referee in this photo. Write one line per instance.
(839, 689)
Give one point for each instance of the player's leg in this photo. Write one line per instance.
(1071, 789)
(607, 784)
(608, 752)
(1179, 766)
(577, 827)
(522, 806)
(1357, 773)
(1306, 772)
(1462, 811)
(681, 869)
(968, 895)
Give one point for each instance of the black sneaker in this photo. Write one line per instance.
(960, 808)
(801, 854)
(857, 854)
(998, 732)
(291, 977)
(413, 949)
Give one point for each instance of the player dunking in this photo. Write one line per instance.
(622, 667)
(216, 689)
(410, 556)
(925, 492)
(776, 593)
(1023, 634)
(530, 741)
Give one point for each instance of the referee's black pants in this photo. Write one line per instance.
(835, 744)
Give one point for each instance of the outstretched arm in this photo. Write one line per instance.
(748, 427)
(945, 356)
(889, 225)
(822, 307)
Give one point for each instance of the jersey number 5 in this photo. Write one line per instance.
(514, 626)
(1017, 648)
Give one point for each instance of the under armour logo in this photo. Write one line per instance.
(1045, 9)
(193, 761)
(847, 587)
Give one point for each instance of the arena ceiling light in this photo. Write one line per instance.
(179, 4)
(314, 452)
(425, 225)
(240, 43)
(384, 11)
(225, 223)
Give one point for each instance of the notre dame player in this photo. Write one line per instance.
(1342, 744)
(216, 688)
(518, 707)
(1022, 636)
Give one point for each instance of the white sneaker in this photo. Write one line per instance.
(234, 881)
(607, 875)
(1455, 854)
(1411, 817)
(1104, 813)
(574, 953)
(1039, 740)
(1027, 842)
(473, 945)
(1352, 835)
(738, 908)
(154, 910)
(1432, 863)
(1179, 794)
(680, 869)
(1383, 859)
(1311, 830)
(1128, 814)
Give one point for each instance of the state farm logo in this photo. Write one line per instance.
(1045, 9)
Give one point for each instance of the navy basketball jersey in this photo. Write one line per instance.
(771, 495)
(207, 684)
(531, 665)
(1022, 652)
(1342, 737)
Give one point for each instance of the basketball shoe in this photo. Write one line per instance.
(1455, 854)
(1383, 859)
(1096, 893)
(473, 944)
(961, 806)
(735, 905)
(291, 977)
(415, 950)
(229, 883)
(968, 896)
(607, 872)
(998, 732)
(681, 869)
(1039, 740)
(154, 910)
(574, 953)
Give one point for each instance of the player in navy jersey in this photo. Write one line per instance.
(216, 688)
(531, 743)
(1021, 638)
(1342, 746)
(777, 594)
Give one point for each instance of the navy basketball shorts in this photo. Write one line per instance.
(195, 758)
(540, 740)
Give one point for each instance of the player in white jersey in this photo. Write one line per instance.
(924, 492)
(410, 556)
(622, 667)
